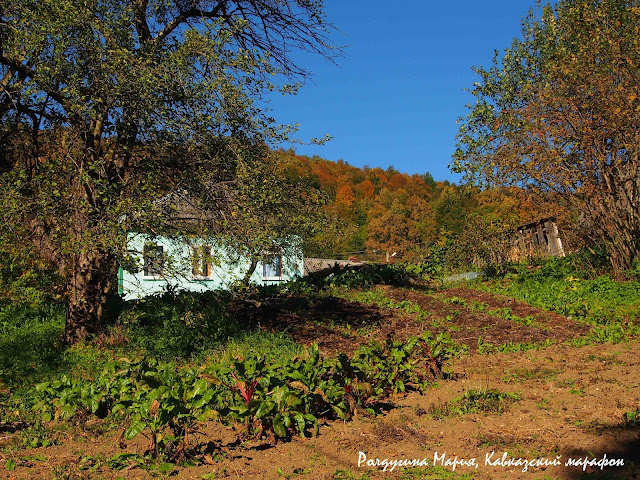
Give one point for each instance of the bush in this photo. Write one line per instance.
(30, 341)
(178, 324)
(365, 276)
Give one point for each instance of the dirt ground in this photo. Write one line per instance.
(571, 405)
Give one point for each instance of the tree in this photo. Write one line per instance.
(400, 223)
(110, 107)
(560, 112)
(451, 209)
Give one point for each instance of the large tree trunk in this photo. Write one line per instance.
(91, 278)
(613, 209)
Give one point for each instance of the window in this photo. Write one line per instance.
(201, 261)
(153, 260)
(272, 267)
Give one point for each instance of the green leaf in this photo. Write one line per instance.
(166, 467)
(300, 423)
(10, 465)
(278, 426)
(42, 386)
(93, 404)
(134, 430)
(198, 387)
(264, 409)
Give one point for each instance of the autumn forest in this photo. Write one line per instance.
(371, 212)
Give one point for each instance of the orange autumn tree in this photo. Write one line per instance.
(400, 223)
(560, 112)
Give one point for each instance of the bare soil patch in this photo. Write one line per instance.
(467, 325)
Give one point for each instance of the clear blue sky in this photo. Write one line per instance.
(394, 98)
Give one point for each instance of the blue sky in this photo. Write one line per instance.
(395, 95)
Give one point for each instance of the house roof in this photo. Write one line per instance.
(542, 221)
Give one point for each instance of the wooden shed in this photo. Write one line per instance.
(538, 237)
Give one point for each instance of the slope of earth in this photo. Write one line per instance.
(470, 315)
(563, 403)
(553, 403)
(340, 324)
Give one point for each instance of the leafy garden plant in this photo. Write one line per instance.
(277, 400)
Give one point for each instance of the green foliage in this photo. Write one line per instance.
(177, 325)
(555, 286)
(399, 365)
(365, 276)
(284, 398)
(10, 465)
(25, 283)
(634, 271)
(30, 341)
(37, 436)
(378, 298)
(277, 346)
(631, 418)
(606, 334)
(476, 401)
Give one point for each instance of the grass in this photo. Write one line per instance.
(556, 286)
(185, 328)
(30, 343)
(278, 347)
(475, 401)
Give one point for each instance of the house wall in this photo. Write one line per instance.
(226, 269)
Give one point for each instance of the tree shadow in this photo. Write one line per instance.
(31, 353)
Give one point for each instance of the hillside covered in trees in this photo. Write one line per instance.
(370, 213)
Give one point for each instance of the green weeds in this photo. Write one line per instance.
(598, 301)
(373, 297)
(631, 419)
(606, 334)
(475, 401)
(505, 313)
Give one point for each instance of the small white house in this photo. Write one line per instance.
(198, 264)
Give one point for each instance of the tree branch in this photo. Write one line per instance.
(30, 73)
(140, 18)
(186, 15)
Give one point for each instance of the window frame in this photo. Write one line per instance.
(153, 267)
(201, 262)
(268, 261)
